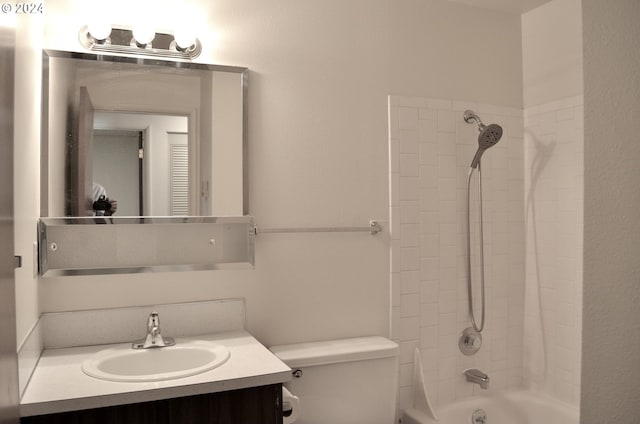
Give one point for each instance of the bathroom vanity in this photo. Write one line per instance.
(246, 388)
(251, 405)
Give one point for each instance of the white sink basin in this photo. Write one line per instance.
(185, 359)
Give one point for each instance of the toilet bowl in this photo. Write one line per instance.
(347, 381)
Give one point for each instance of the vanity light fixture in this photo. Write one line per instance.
(143, 35)
(184, 39)
(99, 32)
(139, 41)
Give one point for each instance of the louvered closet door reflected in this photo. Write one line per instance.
(178, 174)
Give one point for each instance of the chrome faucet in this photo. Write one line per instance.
(477, 377)
(154, 336)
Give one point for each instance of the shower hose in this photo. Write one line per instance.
(472, 316)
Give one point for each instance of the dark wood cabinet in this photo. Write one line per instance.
(255, 405)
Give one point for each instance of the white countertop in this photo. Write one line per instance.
(58, 383)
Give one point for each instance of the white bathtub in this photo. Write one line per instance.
(503, 408)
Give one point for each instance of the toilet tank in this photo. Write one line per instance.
(348, 381)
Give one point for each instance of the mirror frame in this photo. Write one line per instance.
(44, 129)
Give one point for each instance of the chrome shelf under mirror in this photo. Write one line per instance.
(110, 245)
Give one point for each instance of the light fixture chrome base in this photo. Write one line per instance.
(121, 41)
(469, 341)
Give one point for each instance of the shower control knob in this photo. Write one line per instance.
(469, 341)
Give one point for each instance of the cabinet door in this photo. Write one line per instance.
(256, 405)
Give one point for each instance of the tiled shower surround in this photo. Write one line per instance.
(554, 182)
(431, 148)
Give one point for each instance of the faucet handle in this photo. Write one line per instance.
(153, 321)
(154, 337)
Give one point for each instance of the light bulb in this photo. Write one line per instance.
(99, 30)
(185, 38)
(143, 34)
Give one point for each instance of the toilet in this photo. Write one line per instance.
(347, 381)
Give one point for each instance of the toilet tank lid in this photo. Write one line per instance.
(335, 351)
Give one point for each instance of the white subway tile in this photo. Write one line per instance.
(429, 314)
(429, 269)
(447, 367)
(409, 305)
(429, 361)
(409, 258)
(430, 245)
(409, 188)
(429, 337)
(409, 328)
(428, 131)
(447, 143)
(407, 349)
(429, 222)
(427, 114)
(409, 212)
(409, 282)
(447, 166)
(410, 235)
(395, 289)
(439, 104)
(409, 142)
(446, 122)
(406, 374)
(428, 176)
(429, 293)
(411, 102)
(409, 165)
(447, 189)
(407, 118)
(429, 199)
(448, 323)
(429, 153)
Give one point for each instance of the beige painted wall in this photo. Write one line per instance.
(611, 337)
(320, 76)
(26, 168)
(552, 52)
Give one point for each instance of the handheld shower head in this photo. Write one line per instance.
(489, 135)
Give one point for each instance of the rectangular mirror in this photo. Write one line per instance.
(154, 137)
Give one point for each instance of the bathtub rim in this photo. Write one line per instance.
(414, 416)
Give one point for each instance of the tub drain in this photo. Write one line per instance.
(479, 417)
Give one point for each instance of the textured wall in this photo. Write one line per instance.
(611, 338)
(552, 52)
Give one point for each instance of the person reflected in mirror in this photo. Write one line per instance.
(102, 205)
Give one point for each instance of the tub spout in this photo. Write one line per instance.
(477, 377)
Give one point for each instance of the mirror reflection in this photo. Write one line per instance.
(140, 137)
(142, 162)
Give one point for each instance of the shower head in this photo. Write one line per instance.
(489, 135)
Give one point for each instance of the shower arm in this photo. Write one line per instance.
(470, 117)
